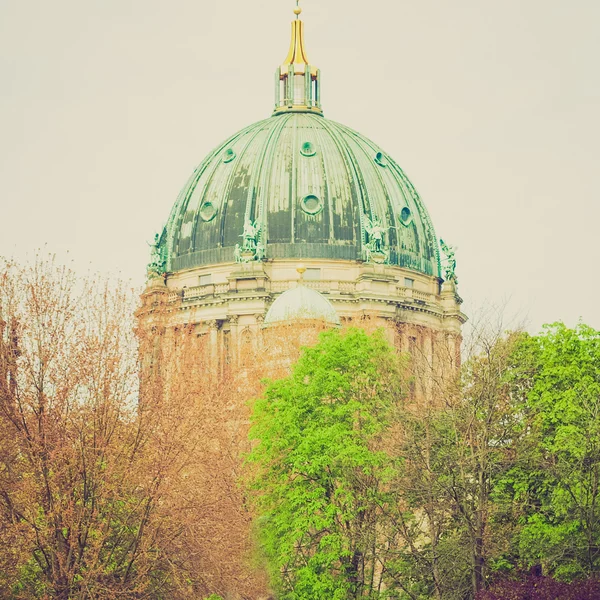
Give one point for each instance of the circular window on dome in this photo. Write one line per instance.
(380, 159)
(208, 211)
(406, 216)
(308, 149)
(228, 155)
(311, 204)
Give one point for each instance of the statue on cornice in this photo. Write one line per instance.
(237, 253)
(157, 264)
(450, 268)
(375, 230)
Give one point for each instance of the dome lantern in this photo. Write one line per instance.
(297, 82)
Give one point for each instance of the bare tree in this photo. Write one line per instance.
(456, 440)
(84, 474)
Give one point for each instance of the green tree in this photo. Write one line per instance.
(456, 449)
(322, 469)
(554, 487)
(366, 495)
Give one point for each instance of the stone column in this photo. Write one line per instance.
(235, 338)
(213, 332)
(428, 362)
(258, 338)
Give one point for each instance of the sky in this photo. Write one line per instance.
(491, 108)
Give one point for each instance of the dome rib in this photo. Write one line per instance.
(229, 185)
(326, 178)
(293, 180)
(389, 209)
(176, 220)
(409, 192)
(264, 179)
(258, 171)
(353, 173)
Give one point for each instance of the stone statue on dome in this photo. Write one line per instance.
(252, 247)
(237, 254)
(375, 231)
(250, 235)
(374, 250)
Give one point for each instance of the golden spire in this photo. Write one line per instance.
(297, 82)
(297, 53)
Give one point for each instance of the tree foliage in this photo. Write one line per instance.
(120, 458)
(531, 587)
(456, 447)
(440, 497)
(554, 482)
(68, 494)
(323, 470)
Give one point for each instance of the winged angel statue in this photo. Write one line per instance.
(252, 247)
(375, 241)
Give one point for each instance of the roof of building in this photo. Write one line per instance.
(312, 184)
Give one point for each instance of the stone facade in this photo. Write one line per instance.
(229, 301)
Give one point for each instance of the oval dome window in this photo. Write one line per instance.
(406, 216)
(308, 149)
(380, 159)
(311, 204)
(208, 211)
(228, 156)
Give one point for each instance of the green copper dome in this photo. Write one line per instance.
(314, 188)
(297, 186)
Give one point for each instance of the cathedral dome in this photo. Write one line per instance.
(317, 189)
(301, 303)
(297, 186)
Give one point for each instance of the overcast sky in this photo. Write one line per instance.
(492, 108)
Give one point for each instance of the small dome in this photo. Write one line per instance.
(301, 303)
